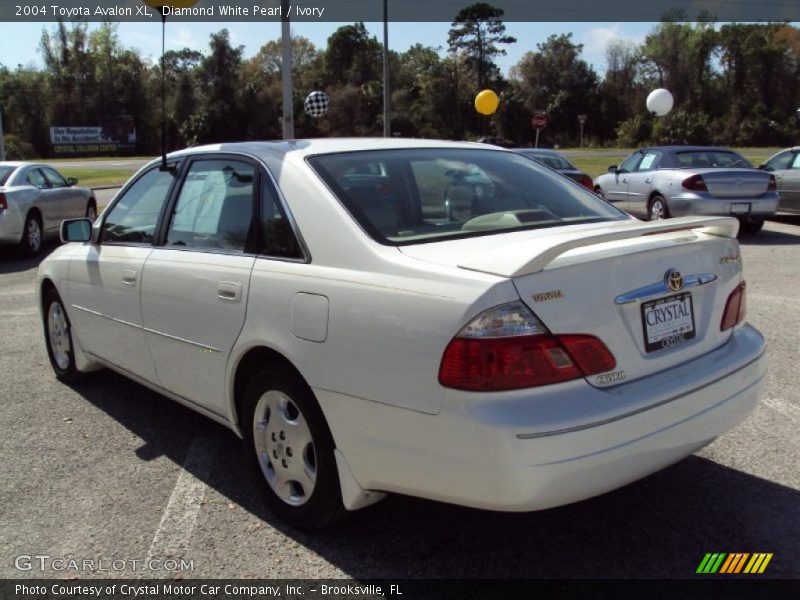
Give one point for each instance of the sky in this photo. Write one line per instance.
(19, 43)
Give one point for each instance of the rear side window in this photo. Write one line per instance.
(649, 161)
(134, 216)
(36, 179)
(277, 236)
(709, 159)
(215, 206)
(5, 173)
(554, 161)
(415, 195)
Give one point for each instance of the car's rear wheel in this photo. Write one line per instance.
(58, 338)
(657, 209)
(290, 448)
(750, 225)
(32, 237)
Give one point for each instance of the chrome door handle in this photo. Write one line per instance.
(129, 278)
(229, 291)
(648, 180)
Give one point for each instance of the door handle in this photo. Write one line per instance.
(625, 180)
(648, 180)
(229, 291)
(129, 277)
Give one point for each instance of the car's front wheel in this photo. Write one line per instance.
(58, 338)
(290, 448)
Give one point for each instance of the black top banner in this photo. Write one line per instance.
(398, 10)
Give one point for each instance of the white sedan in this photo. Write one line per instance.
(34, 199)
(437, 319)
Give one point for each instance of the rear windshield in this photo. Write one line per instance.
(5, 172)
(554, 161)
(417, 195)
(710, 159)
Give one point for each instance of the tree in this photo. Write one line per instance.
(269, 59)
(477, 31)
(221, 120)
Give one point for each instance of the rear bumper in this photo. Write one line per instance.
(686, 204)
(507, 452)
(11, 226)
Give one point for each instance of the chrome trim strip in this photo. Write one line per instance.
(654, 290)
(530, 436)
(148, 330)
(185, 341)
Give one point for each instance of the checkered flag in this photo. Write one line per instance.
(316, 104)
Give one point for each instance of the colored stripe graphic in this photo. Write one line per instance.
(733, 563)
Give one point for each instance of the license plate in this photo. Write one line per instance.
(667, 322)
(739, 208)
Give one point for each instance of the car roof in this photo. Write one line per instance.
(537, 150)
(281, 149)
(680, 148)
(16, 163)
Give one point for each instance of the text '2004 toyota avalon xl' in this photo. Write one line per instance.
(517, 345)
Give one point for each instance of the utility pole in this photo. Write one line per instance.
(2, 141)
(387, 120)
(286, 72)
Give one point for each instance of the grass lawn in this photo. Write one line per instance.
(98, 177)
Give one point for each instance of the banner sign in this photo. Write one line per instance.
(114, 137)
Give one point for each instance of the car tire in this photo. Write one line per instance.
(91, 209)
(58, 338)
(289, 447)
(32, 235)
(750, 225)
(657, 208)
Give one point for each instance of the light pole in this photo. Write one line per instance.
(286, 72)
(2, 141)
(387, 124)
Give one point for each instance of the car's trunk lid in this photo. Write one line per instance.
(612, 282)
(735, 183)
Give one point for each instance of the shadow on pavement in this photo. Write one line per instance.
(658, 527)
(11, 261)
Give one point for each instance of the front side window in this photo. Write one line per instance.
(780, 162)
(134, 216)
(629, 164)
(418, 195)
(215, 206)
(54, 178)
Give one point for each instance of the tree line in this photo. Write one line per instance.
(734, 84)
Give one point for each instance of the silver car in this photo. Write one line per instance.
(785, 166)
(675, 181)
(34, 199)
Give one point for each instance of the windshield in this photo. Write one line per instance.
(710, 159)
(417, 195)
(5, 172)
(554, 161)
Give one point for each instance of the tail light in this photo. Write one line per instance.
(772, 186)
(695, 183)
(587, 182)
(735, 307)
(507, 348)
(3, 202)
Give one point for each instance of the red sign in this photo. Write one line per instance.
(539, 121)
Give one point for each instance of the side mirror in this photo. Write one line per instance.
(612, 169)
(76, 230)
(72, 181)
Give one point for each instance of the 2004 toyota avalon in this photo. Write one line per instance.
(533, 348)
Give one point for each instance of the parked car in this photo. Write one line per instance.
(673, 181)
(536, 348)
(559, 162)
(785, 166)
(34, 199)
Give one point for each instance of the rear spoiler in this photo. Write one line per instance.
(532, 256)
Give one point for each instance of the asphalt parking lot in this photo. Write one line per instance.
(108, 470)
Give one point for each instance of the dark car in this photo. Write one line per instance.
(554, 160)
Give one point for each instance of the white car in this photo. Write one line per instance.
(34, 199)
(367, 330)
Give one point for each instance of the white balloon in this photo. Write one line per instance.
(659, 102)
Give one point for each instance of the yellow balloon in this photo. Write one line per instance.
(173, 3)
(486, 102)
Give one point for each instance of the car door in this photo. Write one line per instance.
(640, 182)
(196, 281)
(47, 199)
(105, 277)
(72, 204)
(617, 192)
(789, 185)
(781, 167)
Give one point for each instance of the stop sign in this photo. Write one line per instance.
(539, 121)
